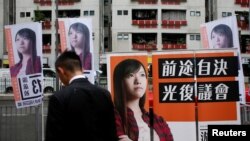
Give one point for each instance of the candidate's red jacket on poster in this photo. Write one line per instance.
(30, 68)
(160, 126)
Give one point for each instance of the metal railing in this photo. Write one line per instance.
(49, 85)
(5, 85)
(20, 124)
(28, 124)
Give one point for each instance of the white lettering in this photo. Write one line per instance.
(215, 131)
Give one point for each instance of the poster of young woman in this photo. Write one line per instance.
(24, 44)
(223, 34)
(128, 84)
(76, 35)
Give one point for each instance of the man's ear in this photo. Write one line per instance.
(60, 70)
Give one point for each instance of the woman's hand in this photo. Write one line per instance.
(124, 138)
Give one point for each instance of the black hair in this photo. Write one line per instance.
(69, 60)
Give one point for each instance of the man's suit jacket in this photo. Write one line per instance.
(81, 112)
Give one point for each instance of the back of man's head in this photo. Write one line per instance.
(69, 61)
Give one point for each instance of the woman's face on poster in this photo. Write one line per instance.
(23, 44)
(76, 38)
(219, 40)
(136, 84)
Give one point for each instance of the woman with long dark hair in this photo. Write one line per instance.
(222, 36)
(29, 62)
(79, 37)
(132, 120)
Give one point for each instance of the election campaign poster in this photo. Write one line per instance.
(173, 92)
(217, 89)
(192, 89)
(24, 44)
(223, 34)
(76, 35)
(128, 84)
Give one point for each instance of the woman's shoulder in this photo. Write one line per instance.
(17, 66)
(89, 54)
(38, 58)
(159, 118)
(156, 117)
(15, 69)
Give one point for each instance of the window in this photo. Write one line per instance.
(125, 12)
(198, 13)
(85, 13)
(195, 13)
(192, 13)
(91, 12)
(119, 36)
(22, 14)
(191, 37)
(27, 14)
(173, 15)
(106, 2)
(122, 36)
(93, 35)
(224, 14)
(198, 37)
(119, 12)
(195, 37)
(106, 21)
(125, 36)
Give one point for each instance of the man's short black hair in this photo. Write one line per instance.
(69, 60)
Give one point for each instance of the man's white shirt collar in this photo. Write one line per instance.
(76, 77)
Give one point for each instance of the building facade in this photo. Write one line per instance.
(127, 25)
(171, 24)
(44, 11)
(156, 24)
(163, 25)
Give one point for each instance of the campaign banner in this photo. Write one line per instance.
(192, 89)
(223, 34)
(24, 44)
(128, 84)
(173, 92)
(219, 105)
(76, 34)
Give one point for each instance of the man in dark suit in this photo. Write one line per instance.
(80, 111)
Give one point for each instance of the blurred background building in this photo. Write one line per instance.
(126, 25)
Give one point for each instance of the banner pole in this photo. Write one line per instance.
(56, 47)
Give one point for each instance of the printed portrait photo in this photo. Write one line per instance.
(220, 34)
(129, 85)
(26, 50)
(24, 44)
(76, 35)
